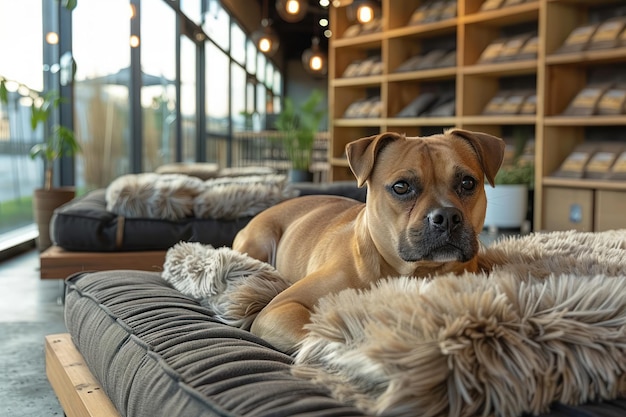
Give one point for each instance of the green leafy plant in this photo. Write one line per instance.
(299, 126)
(61, 141)
(520, 172)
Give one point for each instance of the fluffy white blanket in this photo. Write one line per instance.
(177, 196)
(545, 323)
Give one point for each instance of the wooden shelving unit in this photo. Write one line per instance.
(556, 78)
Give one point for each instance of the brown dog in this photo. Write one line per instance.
(425, 208)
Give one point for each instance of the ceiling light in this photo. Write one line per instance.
(314, 60)
(265, 38)
(365, 13)
(292, 10)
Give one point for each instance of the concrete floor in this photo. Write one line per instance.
(29, 309)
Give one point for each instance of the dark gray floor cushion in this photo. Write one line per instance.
(84, 224)
(158, 353)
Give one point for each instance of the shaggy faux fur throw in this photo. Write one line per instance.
(177, 196)
(545, 322)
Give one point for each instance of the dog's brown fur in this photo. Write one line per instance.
(425, 208)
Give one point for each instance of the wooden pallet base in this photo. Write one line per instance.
(78, 391)
(57, 263)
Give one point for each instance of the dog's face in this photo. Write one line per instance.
(426, 200)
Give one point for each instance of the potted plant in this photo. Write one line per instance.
(298, 126)
(59, 143)
(507, 202)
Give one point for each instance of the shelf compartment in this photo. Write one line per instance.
(585, 121)
(374, 122)
(421, 75)
(425, 30)
(582, 183)
(369, 40)
(369, 81)
(510, 15)
(502, 69)
(499, 120)
(421, 121)
(595, 57)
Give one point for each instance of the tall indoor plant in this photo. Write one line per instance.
(60, 142)
(299, 125)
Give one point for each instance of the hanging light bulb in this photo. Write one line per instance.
(292, 10)
(265, 38)
(365, 13)
(314, 60)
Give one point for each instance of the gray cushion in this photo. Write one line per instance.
(159, 353)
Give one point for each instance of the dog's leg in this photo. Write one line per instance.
(283, 321)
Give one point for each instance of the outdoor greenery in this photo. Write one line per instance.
(299, 126)
(16, 213)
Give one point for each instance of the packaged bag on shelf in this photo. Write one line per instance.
(352, 69)
(599, 165)
(530, 48)
(410, 64)
(448, 60)
(430, 60)
(492, 51)
(495, 106)
(608, 34)
(613, 102)
(513, 103)
(578, 39)
(586, 101)
(530, 105)
(618, 170)
(574, 164)
(513, 47)
(445, 106)
(449, 10)
(491, 5)
(418, 106)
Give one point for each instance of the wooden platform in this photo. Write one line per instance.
(78, 391)
(57, 263)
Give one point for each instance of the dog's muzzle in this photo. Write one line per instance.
(443, 236)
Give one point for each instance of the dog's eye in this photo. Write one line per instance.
(468, 183)
(401, 187)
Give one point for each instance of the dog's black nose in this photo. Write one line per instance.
(445, 218)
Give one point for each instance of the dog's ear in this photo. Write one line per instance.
(362, 154)
(490, 150)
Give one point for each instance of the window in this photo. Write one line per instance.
(21, 32)
(217, 89)
(158, 91)
(188, 107)
(101, 90)
(238, 44)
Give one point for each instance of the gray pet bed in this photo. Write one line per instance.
(85, 224)
(159, 353)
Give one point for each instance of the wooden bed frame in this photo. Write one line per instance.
(57, 263)
(78, 391)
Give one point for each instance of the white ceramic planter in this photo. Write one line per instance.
(506, 206)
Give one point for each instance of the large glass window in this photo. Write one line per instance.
(22, 63)
(158, 91)
(237, 82)
(101, 93)
(237, 44)
(217, 24)
(188, 107)
(238, 96)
